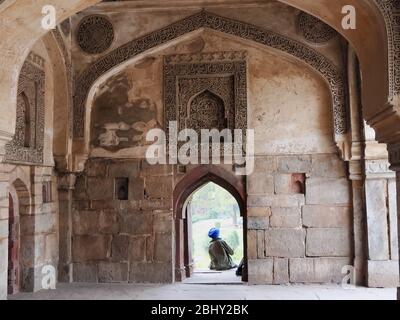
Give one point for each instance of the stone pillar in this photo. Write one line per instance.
(180, 273)
(394, 159)
(356, 167)
(66, 184)
(188, 242)
(3, 237)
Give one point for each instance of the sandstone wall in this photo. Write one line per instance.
(38, 224)
(299, 198)
(123, 240)
(299, 234)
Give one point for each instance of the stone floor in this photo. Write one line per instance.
(201, 291)
(214, 277)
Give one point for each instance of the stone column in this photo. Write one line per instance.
(394, 159)
(3, 236)
(4, 202)
(356, 167)
(188, 242)
(66, 185)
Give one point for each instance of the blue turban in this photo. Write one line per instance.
(213, 233)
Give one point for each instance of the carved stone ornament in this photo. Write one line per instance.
(390, 10)
(28, 141)
(206, 91)
(95, 34)
(212, 21)
(313, 29)
(378, 169)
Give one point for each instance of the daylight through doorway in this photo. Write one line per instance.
(211, 206)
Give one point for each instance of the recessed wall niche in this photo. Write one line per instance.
(122, 188)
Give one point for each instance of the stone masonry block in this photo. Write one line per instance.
(328, 242)
(137, 249)
(383, 274)
(151, 272)
(285, 243)
(328, 191)
(317, 270)
(276, 200)
(377, 222)
(257, 223)
(260, 183)
(123, 169)
(137, 224)
(260, 244)
(113, 272)
(283, 183)
(90, 248)
(158, 187)
(261, 271)
(100, 188)
(120, 248)
(294, 164)
(85, 222)
(85, 272)
(285, 218)
(281, 271)
(163, 247)
(252, 244)
(315, 216)
(327, 166)
(258, 212)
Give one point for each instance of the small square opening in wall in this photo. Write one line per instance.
(298, 183)
(121, 188)
(46, 192)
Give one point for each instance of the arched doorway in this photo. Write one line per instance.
(211, 206)
(20, 242)
(188, 185)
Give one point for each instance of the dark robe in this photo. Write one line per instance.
(220, 255)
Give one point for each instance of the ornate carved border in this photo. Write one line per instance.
(205, 19)
(390, 10)
(70, 75)
(32, 72)
(219, 65)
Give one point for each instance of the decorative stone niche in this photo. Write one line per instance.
(298, 183)
(206, 90)
(28, 141)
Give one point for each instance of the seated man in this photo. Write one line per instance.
(220, 252)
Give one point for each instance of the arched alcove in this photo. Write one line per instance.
(206, 110)
(21, 242)
(191, 182)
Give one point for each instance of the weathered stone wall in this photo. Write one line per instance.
(38, 223)
(123, 240)
(299, 235)
(288, 231)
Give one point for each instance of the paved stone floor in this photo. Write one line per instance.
(192, 291)
(214, 277)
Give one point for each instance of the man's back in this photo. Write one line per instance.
(220, 253)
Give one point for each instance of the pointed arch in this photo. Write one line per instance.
(203, 174)
(207, 20)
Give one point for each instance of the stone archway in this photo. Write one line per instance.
(191, 182)
(371, 28)
(207, 20)
(21, 244)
